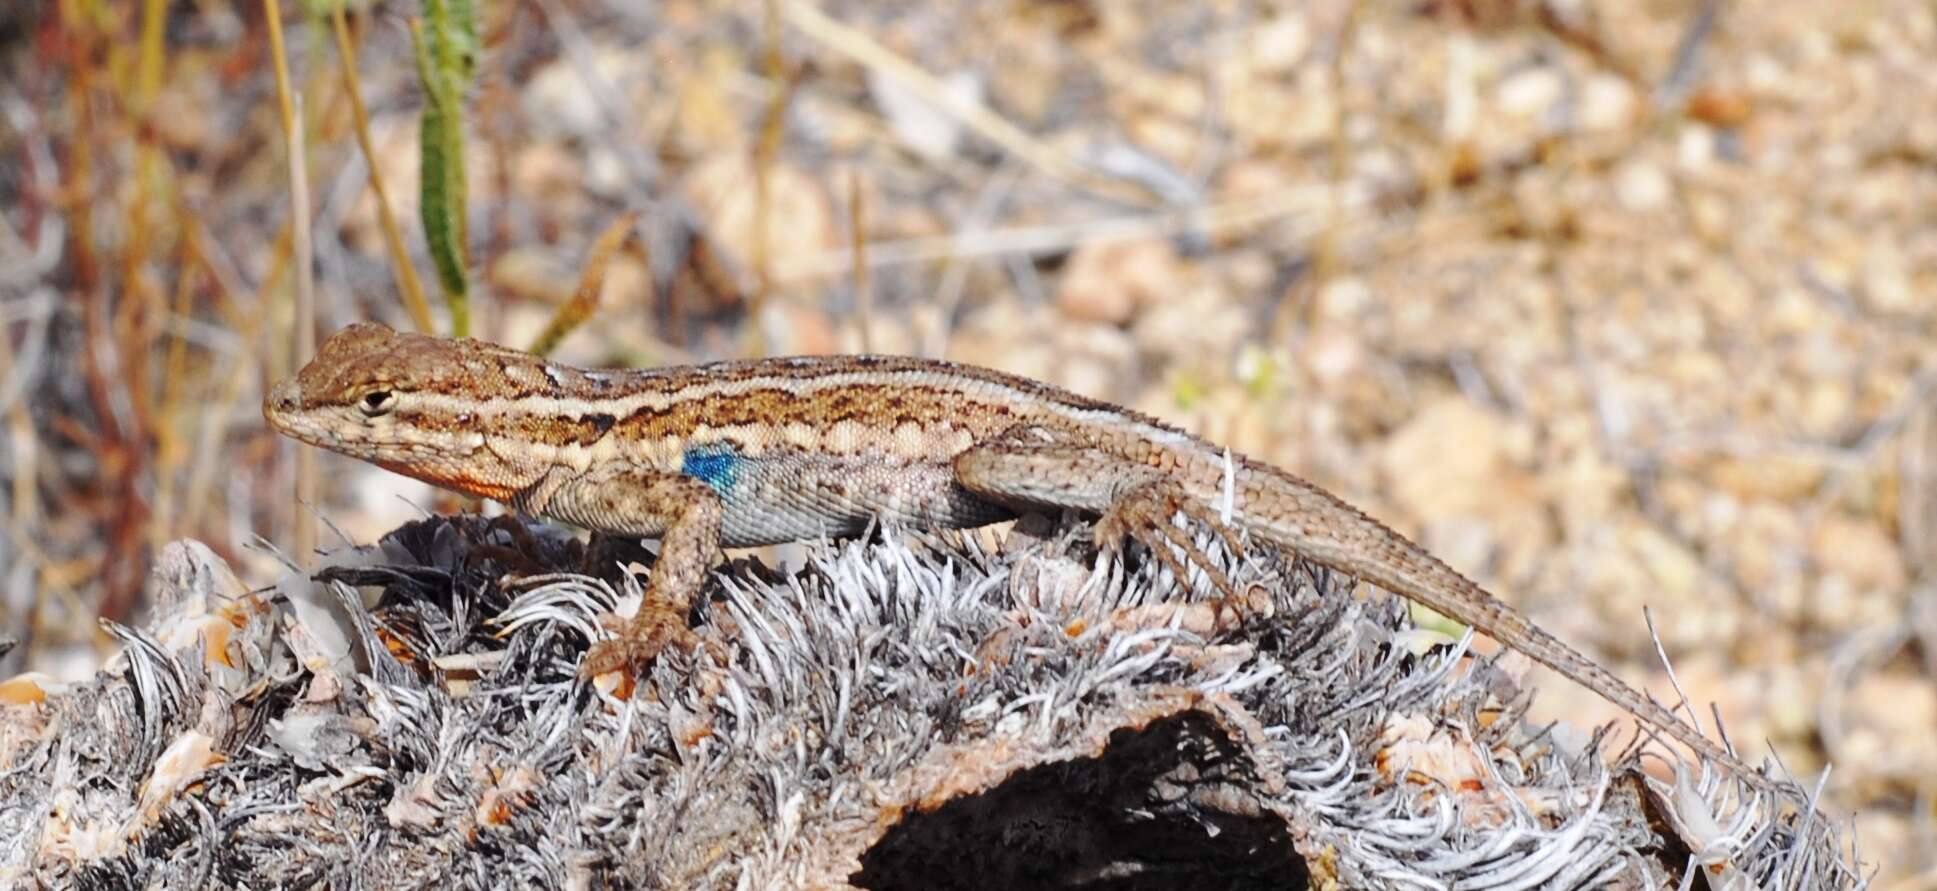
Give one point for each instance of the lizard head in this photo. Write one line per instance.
(405, 402)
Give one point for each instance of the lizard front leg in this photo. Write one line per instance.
(682, 511)
(1039, 468)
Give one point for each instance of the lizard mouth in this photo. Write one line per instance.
(283, 409)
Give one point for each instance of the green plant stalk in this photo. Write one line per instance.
(446, 46)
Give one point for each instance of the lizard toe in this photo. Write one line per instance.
(644, 637)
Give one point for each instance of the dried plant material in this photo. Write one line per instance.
(200, 604)
(181, 764)
(847, 726)
(29, 688)
(590, 283)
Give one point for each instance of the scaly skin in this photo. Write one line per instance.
(758, 452)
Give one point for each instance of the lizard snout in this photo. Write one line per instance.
(283, 400)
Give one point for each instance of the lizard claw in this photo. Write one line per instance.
(1143, 514)
(656, 628)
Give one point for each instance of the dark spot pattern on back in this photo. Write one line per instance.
(596, 426)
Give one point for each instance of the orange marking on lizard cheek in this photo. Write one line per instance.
(457, 480)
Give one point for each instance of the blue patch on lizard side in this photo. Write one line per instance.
(715, 465)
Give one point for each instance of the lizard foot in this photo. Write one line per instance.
(1143, 513)
(657, 626)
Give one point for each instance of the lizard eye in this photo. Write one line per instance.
(377, 402)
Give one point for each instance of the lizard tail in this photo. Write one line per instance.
(1343, 538)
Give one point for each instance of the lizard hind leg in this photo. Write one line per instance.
(1045, 470)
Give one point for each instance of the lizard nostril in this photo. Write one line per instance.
(283, 398)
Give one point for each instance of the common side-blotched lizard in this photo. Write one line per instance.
(758, 452)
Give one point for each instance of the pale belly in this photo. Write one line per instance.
(769, 501)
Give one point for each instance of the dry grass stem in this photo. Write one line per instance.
(301, 522)
(404, 273)
(1222, 220)
(591, 282)
(870, 54)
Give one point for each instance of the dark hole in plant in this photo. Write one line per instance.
(1143, 815)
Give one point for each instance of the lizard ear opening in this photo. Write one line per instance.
(377, 402)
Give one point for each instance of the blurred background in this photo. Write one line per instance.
(1614, 306)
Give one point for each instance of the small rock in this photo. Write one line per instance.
(1584, 488)
(1672, 567)
(1892, 715)
(1199, 324)
(558, 102)
(706, 118)
(628, 284)
(1643, 187)
(1529, 93)
(1333, 356)
(1858, 549)
(530, 273)
(1279, 43)
(1886, 281)
(606, 174)
(1109, 281)
(1449, 459)
(1607, 103)
(800, 329)
(1767, 476)
(1695, 148)
(1721, 107)
(1763, 543)
(1343, 298)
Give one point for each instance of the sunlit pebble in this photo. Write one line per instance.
(1643, 187)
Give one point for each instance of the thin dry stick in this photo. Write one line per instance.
(954, 277)
(1917, 507)
(1681, 75)
(591, 282)
(166, 416)
(858, 243)
(400, 268)
(1215, 221)
(305, 327)
(25, 450)
(285, 104)
(301, 522)
(971, 113)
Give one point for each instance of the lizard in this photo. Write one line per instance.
(754, 452)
